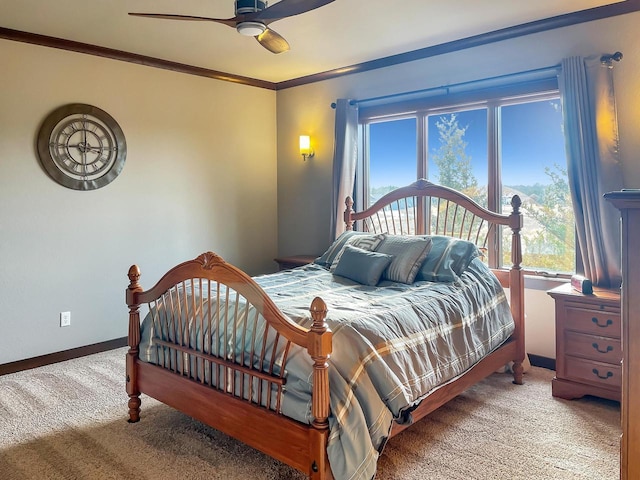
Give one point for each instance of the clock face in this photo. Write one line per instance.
(81, 147)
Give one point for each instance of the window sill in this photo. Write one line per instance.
(538, 282)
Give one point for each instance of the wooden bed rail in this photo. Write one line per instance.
(203, 299)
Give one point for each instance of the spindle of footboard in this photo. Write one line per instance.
(252, 353)
(183, 313)
(134, 344)
(175, 312)
(214, 349)
(224, 319)
(261, 358)
(285, 356)
(202, 362)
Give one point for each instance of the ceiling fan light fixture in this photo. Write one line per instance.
(251, 29)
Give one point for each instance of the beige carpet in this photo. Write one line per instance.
(68, 421)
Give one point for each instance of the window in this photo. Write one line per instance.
(392, 156)
(490, 148)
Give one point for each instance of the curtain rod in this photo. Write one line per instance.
(604, 59)
(446, 88)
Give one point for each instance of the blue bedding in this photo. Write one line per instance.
(393, 344)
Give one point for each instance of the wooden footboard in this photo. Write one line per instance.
(234, 385)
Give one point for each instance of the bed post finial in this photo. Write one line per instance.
(348, 223)
(516, 203)
(134, 342)
(134, 276)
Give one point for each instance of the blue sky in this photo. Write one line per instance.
(531, 134)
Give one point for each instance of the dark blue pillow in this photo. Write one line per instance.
(448, 259)
(362, 266)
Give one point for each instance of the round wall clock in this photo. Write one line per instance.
(81, 147)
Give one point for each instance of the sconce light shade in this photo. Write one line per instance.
(305, 147)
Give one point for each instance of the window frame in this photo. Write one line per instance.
(447, 102)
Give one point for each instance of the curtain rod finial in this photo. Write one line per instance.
(607, 59)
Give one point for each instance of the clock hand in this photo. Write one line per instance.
(83, 147)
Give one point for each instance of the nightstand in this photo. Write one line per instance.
(285, 263)
(588, 345)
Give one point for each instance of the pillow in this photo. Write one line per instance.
(366, 242)
(326, 259)
(362, 266)
(449, 258)
(408, 254)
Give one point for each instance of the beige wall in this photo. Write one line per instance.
(200, 175)
(204, 176)
(304, 190)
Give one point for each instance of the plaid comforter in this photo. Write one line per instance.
(392, 345)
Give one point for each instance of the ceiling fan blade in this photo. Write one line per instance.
(226, 21)
(272, 41)
(287, 8)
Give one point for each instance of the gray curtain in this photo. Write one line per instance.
(345, 157)
(591, 133)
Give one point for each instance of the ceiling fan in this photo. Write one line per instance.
(253, 17)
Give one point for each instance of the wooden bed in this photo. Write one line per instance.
(236, 398)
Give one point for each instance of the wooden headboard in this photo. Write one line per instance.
(424, 208)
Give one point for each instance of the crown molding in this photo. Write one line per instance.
(551, 23)
(79, 47)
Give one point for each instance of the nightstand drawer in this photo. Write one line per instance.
(593, 347)
(603, 322)
(595, 373)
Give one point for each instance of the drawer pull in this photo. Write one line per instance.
(608, 324)
(597, 347)
(597, 373)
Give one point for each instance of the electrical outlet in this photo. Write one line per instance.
(65, 319)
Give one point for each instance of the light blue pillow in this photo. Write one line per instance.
(408, 254)
(448, 259)
(327, 258)
(362, 266)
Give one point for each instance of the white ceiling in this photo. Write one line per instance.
(340, 34)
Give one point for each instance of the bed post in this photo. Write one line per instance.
(348, 223)
(319, 348)
(134, 341)
(516, 288)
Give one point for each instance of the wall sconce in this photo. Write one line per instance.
(305, 147)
